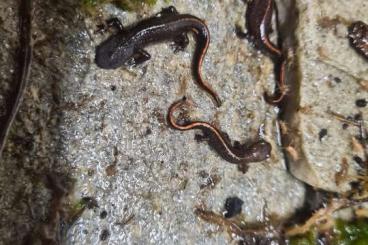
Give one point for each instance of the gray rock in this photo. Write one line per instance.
(117, 145)
(329, 77)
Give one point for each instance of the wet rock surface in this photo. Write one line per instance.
(35, 140)
(107, 130)
(330, 78)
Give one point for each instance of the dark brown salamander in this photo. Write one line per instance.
(358, 35)
(126, 47)
(239, 154)
(281, 88)
(258, 23)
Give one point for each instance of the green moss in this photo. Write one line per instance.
(345, 233)
(133, 5)
(75, 210)
(308, 238)
(351, 233)
(90, 3)
(76, 207)
(90, 6)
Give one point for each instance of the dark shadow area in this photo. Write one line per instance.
(35, 179)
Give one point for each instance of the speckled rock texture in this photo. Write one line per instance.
(107, 130)
(328, 78)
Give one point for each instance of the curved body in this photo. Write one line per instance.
(126, 47)
(258, 22)
(241, 155)
(120, 48)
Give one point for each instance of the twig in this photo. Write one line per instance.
(323, 216)
(344, 119)
(230, 225)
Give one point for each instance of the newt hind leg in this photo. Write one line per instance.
(180, 42)
(140, 56)
(240, 33)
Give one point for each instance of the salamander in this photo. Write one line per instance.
(241, 155)
(258, 24)
(126, 46)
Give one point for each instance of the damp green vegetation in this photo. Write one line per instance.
(133, 5)
(75, 210)
(127, 5)
(351, 233)
(309, 238)
(344, 233)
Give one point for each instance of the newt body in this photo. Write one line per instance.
(241, 155)
(126, 47)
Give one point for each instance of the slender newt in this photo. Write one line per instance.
(126, 47)
(258, 23)
(238, 154)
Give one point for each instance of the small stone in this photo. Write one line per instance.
(90, 202)
(233, 206)
(322, 133)
(361, 103)
(103, 214)
(104, 235)
(359, 161)
(148, 131)
(337, 80)
(358, 117)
